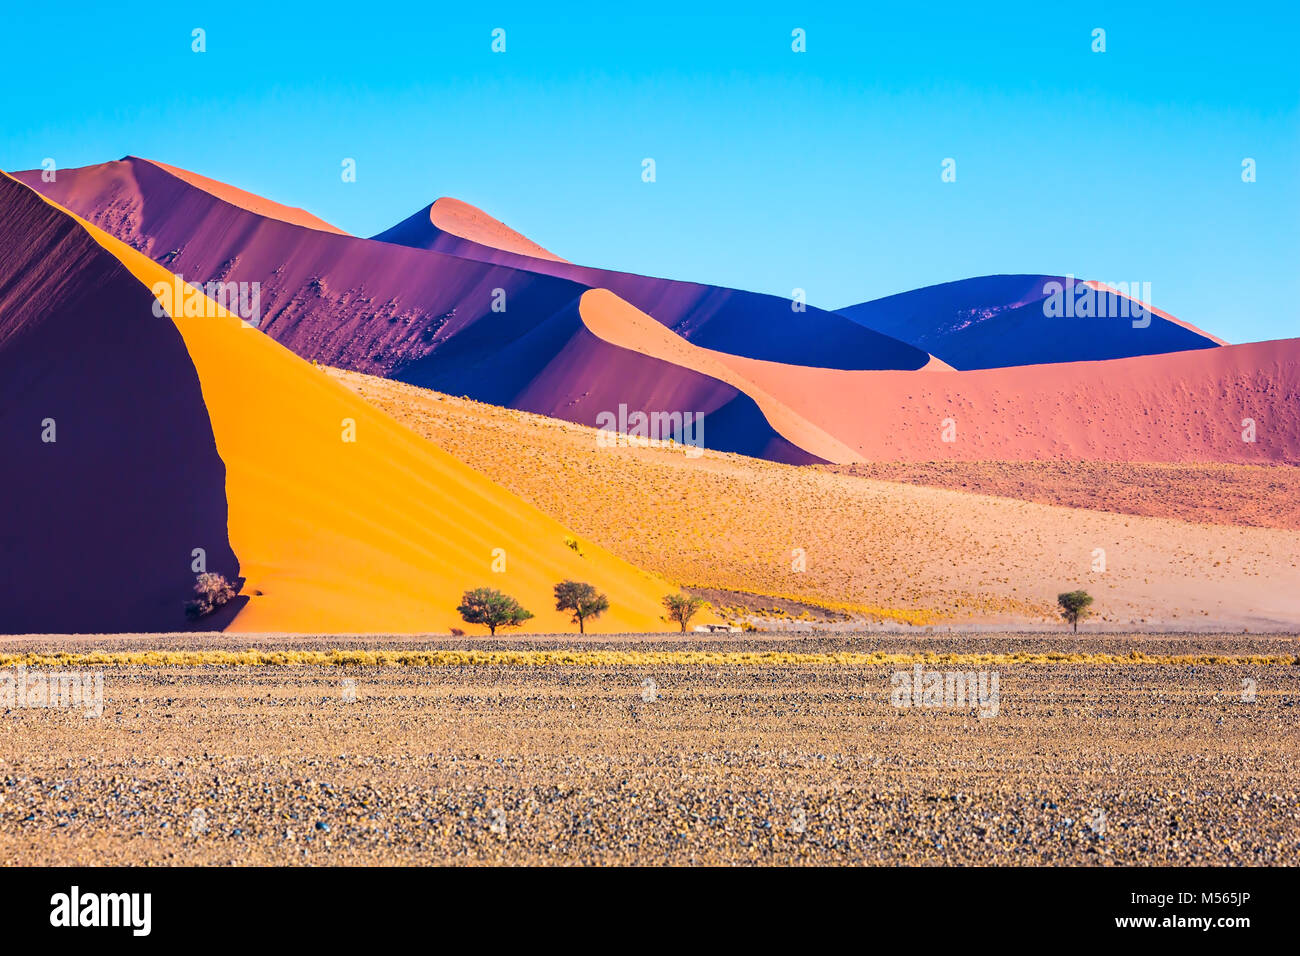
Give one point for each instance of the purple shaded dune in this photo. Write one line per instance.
(99, 524)
(713, 317)
(1005, 320)
(492, 332)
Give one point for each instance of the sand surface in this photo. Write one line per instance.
(729, 522)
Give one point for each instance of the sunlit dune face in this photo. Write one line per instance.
(469, 222)
(250, 201)
(345, 521)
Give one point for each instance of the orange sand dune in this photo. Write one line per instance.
(249, 201)
(380, 534)
(469, 222)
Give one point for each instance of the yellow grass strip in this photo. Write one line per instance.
(630, 659)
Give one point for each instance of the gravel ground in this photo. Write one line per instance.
(1083, 763)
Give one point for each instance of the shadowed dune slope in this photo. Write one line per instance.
(557, 347)
(422, 317)
(99, 525)
(250, 201)
(999, 321)
(374, 306)
(713, 317)
(380, 533)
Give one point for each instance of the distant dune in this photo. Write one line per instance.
(449, 225)
(381, 307)
(183, 432)
(1181, 407)
(1000, 321)
(713, 317)
(453, 300)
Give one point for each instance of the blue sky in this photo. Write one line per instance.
(775, 170)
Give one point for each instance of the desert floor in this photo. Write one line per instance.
(652, 749)
(1165, 546)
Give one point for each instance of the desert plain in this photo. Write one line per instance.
(737, 749)
(348, 466)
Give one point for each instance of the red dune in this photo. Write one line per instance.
(1178, 407)
(381, 306)
(457, 228)
(469, 222)
(617, 322)
(174, 431)
(418, 316)
(249, 201)
(794, 387)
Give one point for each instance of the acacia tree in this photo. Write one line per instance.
(682, 607)
(582, 599)
(213, 591)
(492, 608)
(1074, 606)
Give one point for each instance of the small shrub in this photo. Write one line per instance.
(212, 590)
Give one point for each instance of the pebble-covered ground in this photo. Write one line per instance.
(671, 763)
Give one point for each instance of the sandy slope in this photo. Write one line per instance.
(1260, 496)
(380, 534)
(471, 223)
(729, 522)
(249, 201)
(1179, 407)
